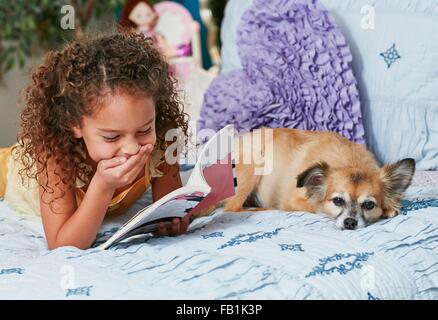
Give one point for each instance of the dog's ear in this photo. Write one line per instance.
(314, 179)
(396, 178)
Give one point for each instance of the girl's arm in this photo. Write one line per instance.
(66, 224)
(161, 186)
(169, 182)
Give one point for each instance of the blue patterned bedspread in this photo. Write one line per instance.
(263, 255)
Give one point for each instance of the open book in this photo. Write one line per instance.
(212, 180)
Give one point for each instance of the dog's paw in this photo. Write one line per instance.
(257, 209)
(391, 213)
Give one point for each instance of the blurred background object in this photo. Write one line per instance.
(27, 27)
(30, 28)
(173, 30)
(212, 13)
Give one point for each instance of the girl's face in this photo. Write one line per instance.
(119, 128)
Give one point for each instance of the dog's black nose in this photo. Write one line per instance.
(350, 223)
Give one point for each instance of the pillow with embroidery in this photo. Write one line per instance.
(395, 56)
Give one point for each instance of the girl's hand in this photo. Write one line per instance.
(177, 227)
(119, 171)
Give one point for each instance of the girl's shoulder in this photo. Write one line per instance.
(21, 192)
(21, 188)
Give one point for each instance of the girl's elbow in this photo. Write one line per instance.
(52, 245)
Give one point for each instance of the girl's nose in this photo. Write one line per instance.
(130, 149)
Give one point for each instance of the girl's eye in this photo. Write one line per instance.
(112, 139)
(144, 132)
(338, 201)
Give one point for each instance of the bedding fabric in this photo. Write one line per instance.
(296, 74)
(264, 255)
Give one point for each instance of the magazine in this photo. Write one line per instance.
(212, 180)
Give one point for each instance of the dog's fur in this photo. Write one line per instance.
(317, 171)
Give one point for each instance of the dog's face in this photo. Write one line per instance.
(355, 197)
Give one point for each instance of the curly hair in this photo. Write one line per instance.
(68, 85)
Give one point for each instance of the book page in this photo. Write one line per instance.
(174, 205)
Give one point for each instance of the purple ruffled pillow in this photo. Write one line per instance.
(296, 74)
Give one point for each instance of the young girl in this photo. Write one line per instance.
(92, 138)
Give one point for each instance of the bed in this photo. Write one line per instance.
(263, 255)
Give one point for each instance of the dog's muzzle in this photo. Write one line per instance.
(350, 223)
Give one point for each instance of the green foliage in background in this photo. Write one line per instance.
(27, 24)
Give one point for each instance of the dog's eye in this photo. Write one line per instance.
(368, 205)
(338, 201)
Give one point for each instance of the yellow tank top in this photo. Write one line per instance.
(24, 197)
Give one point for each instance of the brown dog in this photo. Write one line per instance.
(316, 171)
